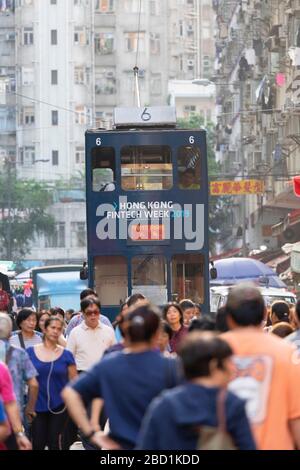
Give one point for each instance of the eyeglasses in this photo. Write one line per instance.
(93, 312)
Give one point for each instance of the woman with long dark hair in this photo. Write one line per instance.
(173, 315)
(55, 366)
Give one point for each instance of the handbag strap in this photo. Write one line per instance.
(21, 339)
(221, 415)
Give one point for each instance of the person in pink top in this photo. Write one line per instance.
(11, 408)
(267, 372)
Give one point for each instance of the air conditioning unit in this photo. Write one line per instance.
(190, 28)
(110, 74)
(2, 70)
(191, 63)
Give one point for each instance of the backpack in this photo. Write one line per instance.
(4, 301)
(216, 438)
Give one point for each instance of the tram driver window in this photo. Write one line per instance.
(187, 277)
(103, 169)
(146, 168)
(149, 276)
(189, 166)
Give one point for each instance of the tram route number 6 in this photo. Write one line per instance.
(192, 139)
(98, 142)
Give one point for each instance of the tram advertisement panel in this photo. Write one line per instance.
(151, 222)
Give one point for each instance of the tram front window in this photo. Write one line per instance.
(189, 160)
(103, 169)
(146, 168)
(149, 277)
(187, 277)
(111, 279)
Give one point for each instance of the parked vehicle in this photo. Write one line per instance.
(219, 294)
(57, 286)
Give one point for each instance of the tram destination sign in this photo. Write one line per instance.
(148, 116)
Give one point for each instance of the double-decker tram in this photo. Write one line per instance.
(147, 209)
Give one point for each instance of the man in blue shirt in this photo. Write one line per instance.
(177, 419)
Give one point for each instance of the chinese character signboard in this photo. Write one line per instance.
(222, 188)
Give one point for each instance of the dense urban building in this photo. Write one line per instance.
(64, 66)
(257, 78)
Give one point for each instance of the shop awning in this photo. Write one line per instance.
(285, 200)
(280, 263)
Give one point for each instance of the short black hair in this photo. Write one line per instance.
(134, 298)
(52, 319)
(204, 323)
(142, 323)
(186, 303)
(24, 314)
(246, 305)
(90, 300)
(198, 349)
(281, 309)
(57, 311)
(221, 320)
(86, 292)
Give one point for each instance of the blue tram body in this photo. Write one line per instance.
(147, 215)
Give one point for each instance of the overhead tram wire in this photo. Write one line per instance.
(136, 68)
(232, 113)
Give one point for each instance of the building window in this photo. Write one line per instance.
(133, 6)
(131, 41)
(83, 115)
(105, 82)
(81, 36)
(82, 75)
(181, 28)
(79, 155)
(53, 37)
(155, 84)
(27, 76)
(154, 8)
(57, 239)
(104, 43)
(189, 109)
(55, 157)
(27, 156)
(104, 6)
(27, 116)
(54, 118)
(27, 36)
(54, 77)
(154, 43)
(78, 235)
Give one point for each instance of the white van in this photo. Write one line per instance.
(219, 294)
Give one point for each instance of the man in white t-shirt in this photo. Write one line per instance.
(91, 338)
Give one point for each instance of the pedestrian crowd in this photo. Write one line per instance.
(171, 378)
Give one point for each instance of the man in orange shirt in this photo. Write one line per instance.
(267, 372)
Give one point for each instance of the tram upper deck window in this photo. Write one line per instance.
(146, 168)
(189, 167)
(103, 169)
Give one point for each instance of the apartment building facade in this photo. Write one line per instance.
(66, 65)
(258, 124)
